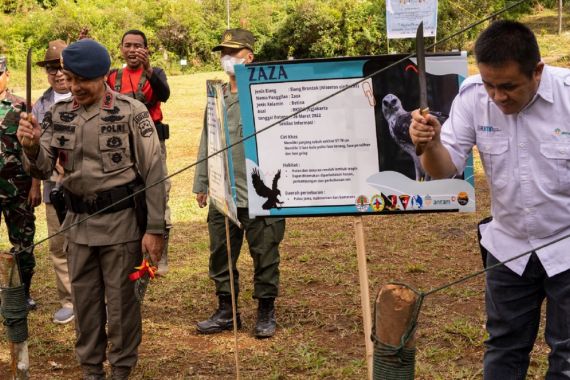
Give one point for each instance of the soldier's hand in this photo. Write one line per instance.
(35, 194)
(202, 199)
(153, 244)
(424, 129)
(28, 131)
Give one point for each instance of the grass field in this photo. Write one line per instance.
(319, 316)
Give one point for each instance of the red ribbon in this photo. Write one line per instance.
(144, 268)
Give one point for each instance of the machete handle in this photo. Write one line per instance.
(420, 148)
(25, 140)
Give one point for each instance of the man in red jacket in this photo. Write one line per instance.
(149, 86)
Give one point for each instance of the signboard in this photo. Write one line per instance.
(221, 182)
(350, 153)
(404, 16)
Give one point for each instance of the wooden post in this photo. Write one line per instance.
(395, 309)
(364, 292)
(559, 17)
(9, 278)
(234, 302)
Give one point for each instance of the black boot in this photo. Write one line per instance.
(27, 281)
(265, 326)
(221, 320)
(120, 373)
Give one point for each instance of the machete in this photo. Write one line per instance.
(25, 140)
(421, 63)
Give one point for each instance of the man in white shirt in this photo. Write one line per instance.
(516, 112)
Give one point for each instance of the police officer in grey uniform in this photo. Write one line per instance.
(107, 145)
(263, 234)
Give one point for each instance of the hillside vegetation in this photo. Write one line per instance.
(188, 29)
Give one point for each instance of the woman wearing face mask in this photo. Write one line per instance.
(263, 235)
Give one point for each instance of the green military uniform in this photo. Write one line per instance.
(15, 186)
(263, 234)
(102, 147)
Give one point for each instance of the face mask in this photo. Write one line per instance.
(228, 62)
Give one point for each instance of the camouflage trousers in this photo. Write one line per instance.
(19, 218)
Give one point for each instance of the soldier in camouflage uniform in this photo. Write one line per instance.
(18, 196)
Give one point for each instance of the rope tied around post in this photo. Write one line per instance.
(15, 313)
(393, 331)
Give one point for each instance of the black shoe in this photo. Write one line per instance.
(221, 320)
(265, 326)
(93, 372)
(120, 373)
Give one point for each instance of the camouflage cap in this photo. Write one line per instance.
(3, 64)
(236, 39)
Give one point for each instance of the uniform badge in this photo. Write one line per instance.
(47, 121)
(146, 129)
(67, 116)
(113, 118)
(115, 110)
(117, 157)
(62, 140)
(114, 142)
(141, 116)
(108, 101)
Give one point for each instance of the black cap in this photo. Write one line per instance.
(86, 58)
(236, 39)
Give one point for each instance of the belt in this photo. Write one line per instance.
(102, 200)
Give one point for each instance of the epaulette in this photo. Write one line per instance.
(123, 97)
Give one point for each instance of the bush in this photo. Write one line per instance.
(189, 29)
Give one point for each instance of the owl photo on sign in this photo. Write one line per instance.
(399, 124)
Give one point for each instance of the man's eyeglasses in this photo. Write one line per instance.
(52, 70)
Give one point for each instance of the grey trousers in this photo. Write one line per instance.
(513, 315)
(58, 257)
(98, 274)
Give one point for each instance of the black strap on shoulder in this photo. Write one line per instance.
(139, 95)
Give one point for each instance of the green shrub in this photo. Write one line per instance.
(189, 29)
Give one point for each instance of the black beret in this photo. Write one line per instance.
(86, 58)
